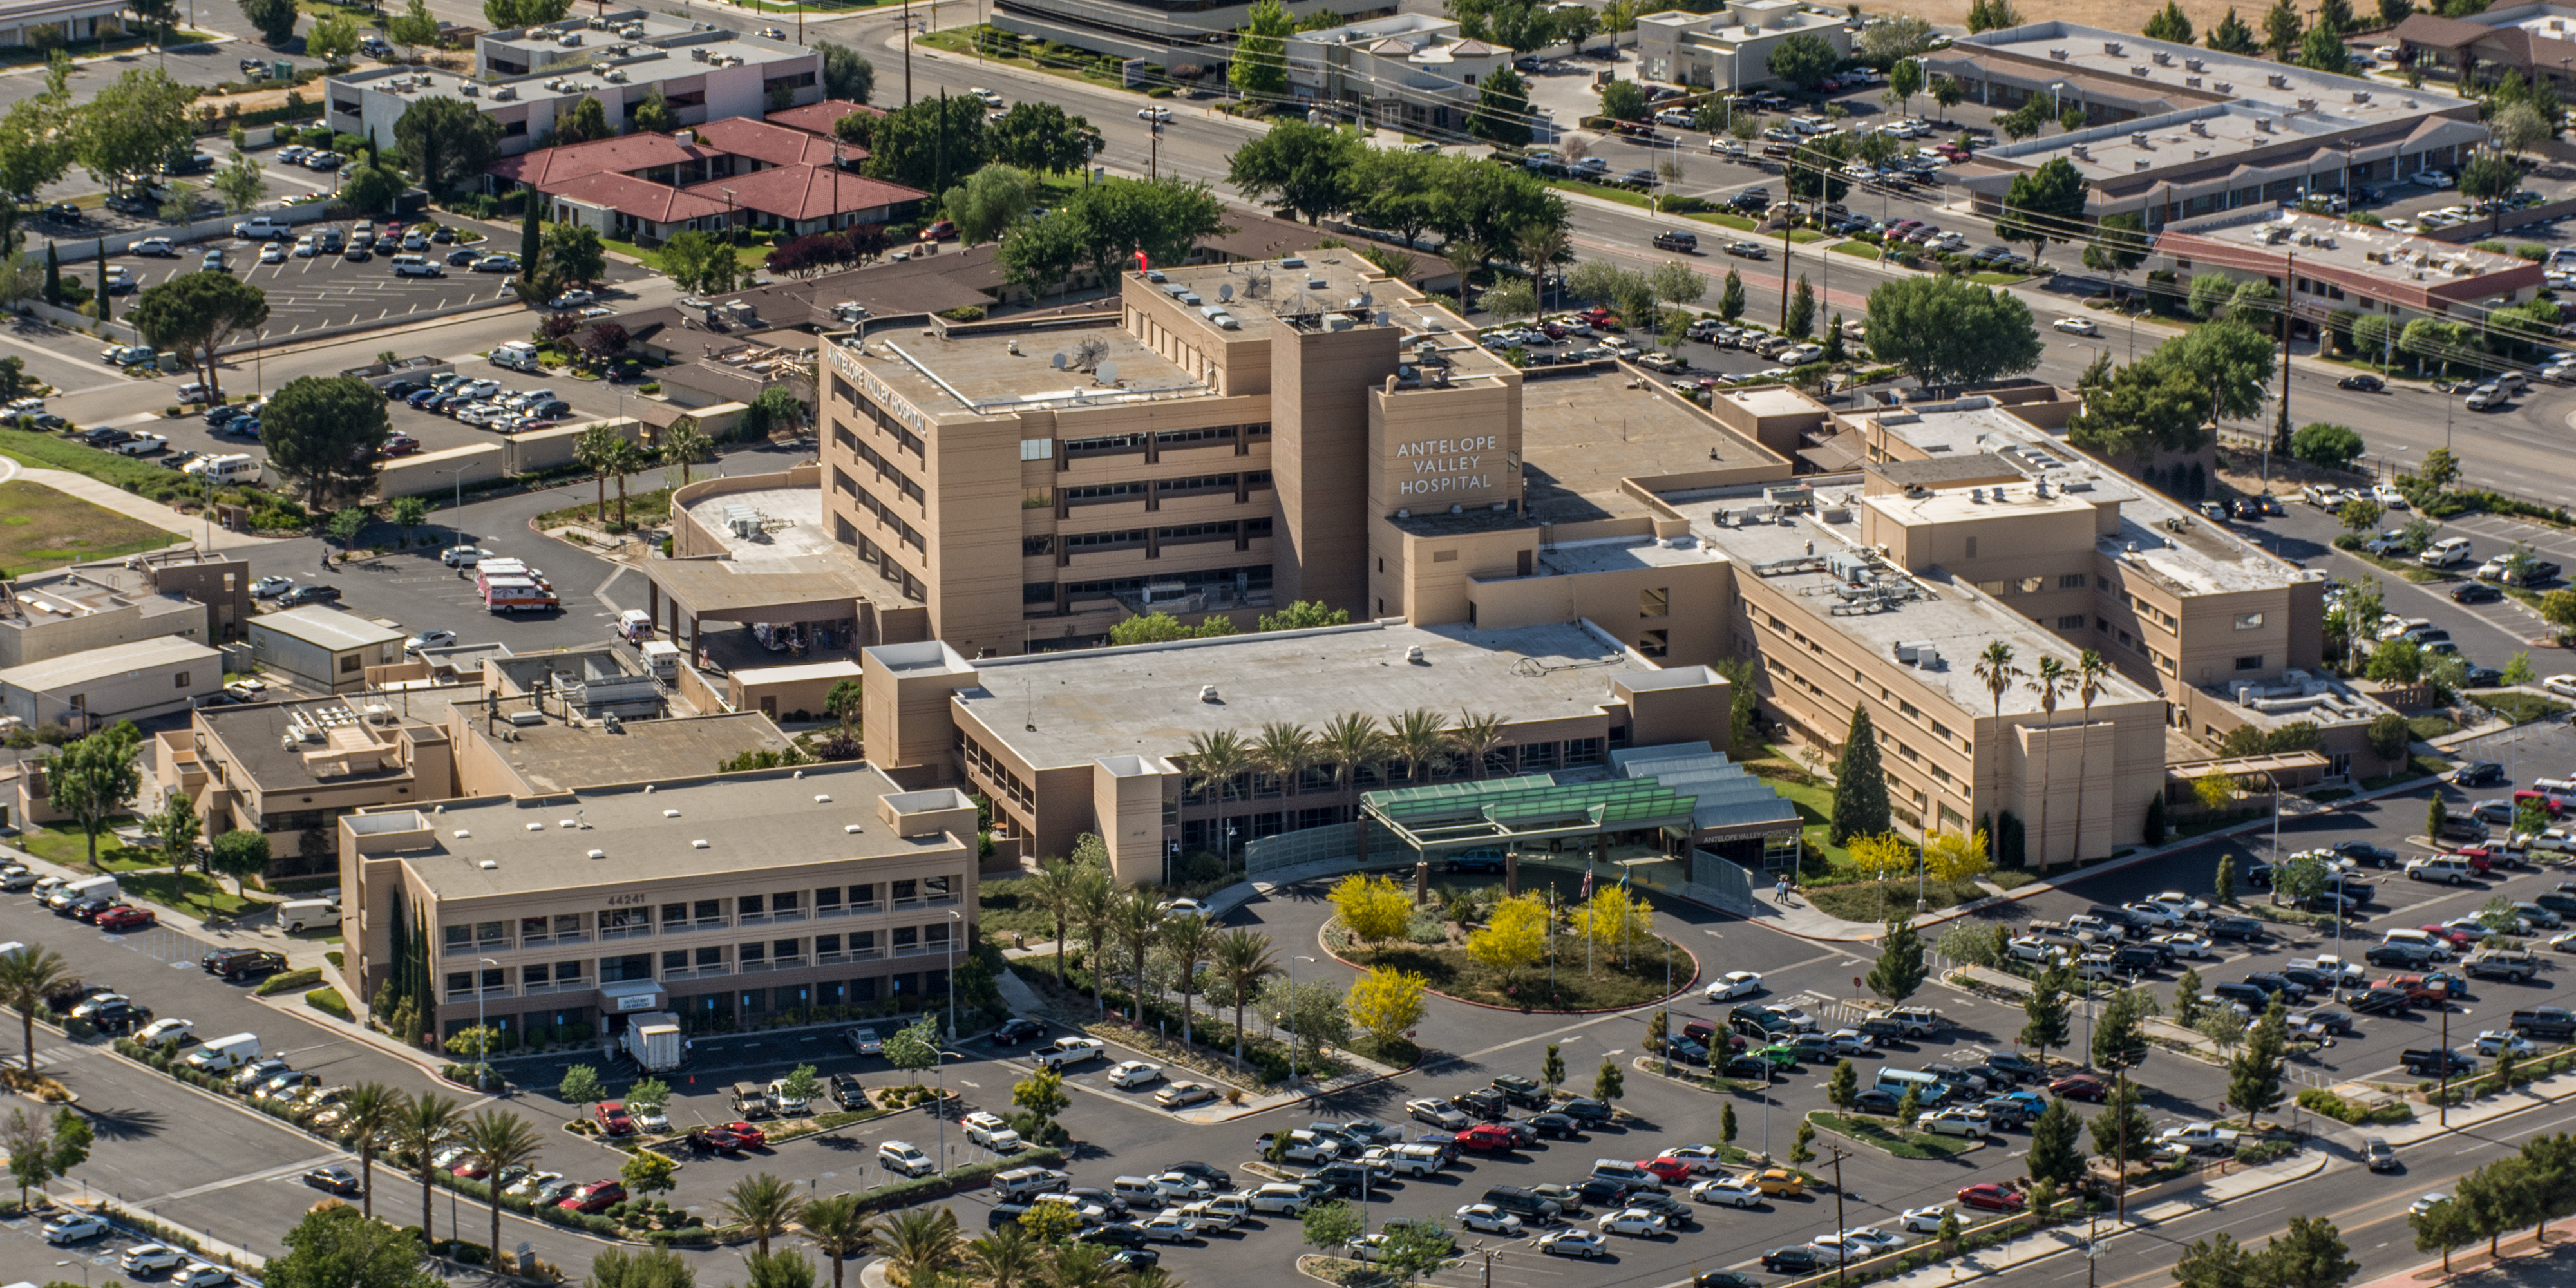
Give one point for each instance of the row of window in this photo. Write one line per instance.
(705, 914)
(746, 958)
(878, 416)
(2032, 585)
(886, 470)
(1101, 493)
(1042, 544)
(885, 514)
(1162, 440)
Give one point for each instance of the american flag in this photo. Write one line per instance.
(1587, 880)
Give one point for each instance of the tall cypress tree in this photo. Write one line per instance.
(529, 232)
(105, 307)
(1860, 784)
(53, 275)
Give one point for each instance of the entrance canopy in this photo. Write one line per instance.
(1446, 817)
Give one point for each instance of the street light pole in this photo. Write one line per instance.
(1292, 1019)
(957, 926)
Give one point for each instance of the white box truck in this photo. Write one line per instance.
(220, 1055)
(653, 1042)
(71, 892)
(663, 658)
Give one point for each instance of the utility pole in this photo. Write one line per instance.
(907, 53)
(1842, 1253)
(2289, 294)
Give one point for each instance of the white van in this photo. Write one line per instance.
(2438, 949)
(297, 916)
(220, 1055)
(71, 892)
(416, 266)
(517, 355)
(235, 467)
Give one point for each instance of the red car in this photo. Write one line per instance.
(715, 1139)
(2415, 988)
(2459, 939)
(750, 1136)
(1671, 1171)
(122, 917)
(1990, 1197)
(613, 1118)
(941, 231)
(1485, 1138)
(594, 1197)
(2080, 1086)
(399, 445)
(471, 1169)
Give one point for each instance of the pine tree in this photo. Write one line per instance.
(2254, 1074)
(2047, 1022)
(1907, 1106)
(2282, 31)
(1901, 968)
(2056, 1145)
(2224, 885)
(2232, 36)
(106, 306)
(2187, 998)
(1860, 784)
(1801, 320)
(2121, 1105)
(1844, 1088)
(1658, 1031)
(531, 232)
(1803, 1149)
(1608, 1083)
(1730, 299)
(1551, 1068)
(2170, 24)
(53, 275)
(2119, 1036)
(1726, 1123)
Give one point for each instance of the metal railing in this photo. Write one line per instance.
(624, 932)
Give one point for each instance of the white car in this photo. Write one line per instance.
(1798, 1019)
(905, 1157)
(1158, 115)
(1728, 1191)
(1733, 984)
(989, 1131)
(1848, 1042)
(2387, 495)
(1213, 1217)
(1701, 1158)
(1839, 1249)
(1631, 1221)
(2494, 1041)
(146, 1257)
(793, 1106)
(2431, 179)
(1168, 1227)
(2186, 943)
(273, 253)
(2565, 943)
(2178, 903)
(2427, 1203)
(2077, 326)
(1573, 1242)
(1280, 1197)
(1182, 1095)
(1488, 1218)
(1924, 1220)
(72, 1227)
(1134, 1073)
(1181, 1187)
(173, 1029)
(429, 639)
(199, 1274)
(528, 1185)
(572, 300)
(1184, 908)
(1874, 1239)
(2562, 685)
(463, 556)
(1954, 1122)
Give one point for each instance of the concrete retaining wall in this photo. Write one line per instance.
(434, 474)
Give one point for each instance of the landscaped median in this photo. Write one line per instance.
(1883, 1135)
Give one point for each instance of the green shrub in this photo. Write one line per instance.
(649, 388)
(287, 981)
(329, 1002)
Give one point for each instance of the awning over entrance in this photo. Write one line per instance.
(1446, 817)
(632, 995)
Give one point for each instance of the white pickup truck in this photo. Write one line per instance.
(2328, 963)
(2199, 1136)
(1065, 1051)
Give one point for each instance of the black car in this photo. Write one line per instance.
(2332, 1021)
(1476, 861)
(848, 1092)
(1600, 1193)
(2368, 384)
(1117, 1234)
(1587, 1111)
(1874, 1101)
(1216, 1176)
(1134, 1259)
(1552, 1125)
(63, 212)
(403, 389)
(84, 909)
(1107, 1202)
(2315, 981)
(1674, 1211)
(2233, 928)
(2475, 592)
(1750, 1066)
(2382, 857)
(1482, 1102)
(2018, 1067)
(2377, 1001)
(242, 963)
(1792, 1261)
(2250, 994)
(117, 1017)
(2476, 773)
(1722, 1279)
(62, 1001)
(2482, 677)
(309, 595)
(1002, 1214)
(1018, 1030)
(2259, 876)
(2272, 982)
(461, 258)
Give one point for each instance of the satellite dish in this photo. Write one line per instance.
(1381, 317)
(1365, 299)
(1108, 373)
(1057, 361)
(1225, 292)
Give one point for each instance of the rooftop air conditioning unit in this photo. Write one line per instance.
(698, 54)
(684, 136)
(2140, 163)
(617, 75)
(2138, 69)
(2223, 87)
(2138, 139)
(1207, 693)
(504, 93)
(469, 91)
(2307, 105)
(2111, 47)
(2163, 59)
(2058, 54)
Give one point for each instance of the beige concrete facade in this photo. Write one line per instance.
(719, 897)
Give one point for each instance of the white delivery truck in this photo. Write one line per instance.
(220, 1055)
(300, 915)
(653, 1042)
(71, 892)
(230, 468)
(663, 657)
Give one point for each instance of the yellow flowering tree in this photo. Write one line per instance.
(1385, 1004)
(1514, 937)
(1614, 919)
(1954, 856)
(1375, 908)
(1882, 855)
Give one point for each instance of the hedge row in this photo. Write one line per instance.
(954, 1180)
(289, 981)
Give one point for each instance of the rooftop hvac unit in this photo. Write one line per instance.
(698, 54)
(469, 90)
(616, 76)
(525, 718)
(504, 93)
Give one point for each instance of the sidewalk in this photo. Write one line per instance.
(128, 504)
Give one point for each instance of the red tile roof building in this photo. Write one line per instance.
(733, 171)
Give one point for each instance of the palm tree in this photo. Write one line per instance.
(1007, 1258)
(1137, 920)
(1476, 737)
(1349, 743)
(368, 1110)
(1242, 958)
(25, 977)
(1213, 760)
(1094, 899)
(597, 451)
(1085, 1265)
(2050, 684)
(1283, 753)
(424, 1126)
(500, 1140)
(1539, 245)
(918, 1242)
(624, 459)
(764, 1206)
(1995, 667)
(1421, 738)
(2090, 671)
(684, 444)
(1188, 940)
(839, 1229)
(1054, 889)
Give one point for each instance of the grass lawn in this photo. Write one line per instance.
(960, 40)
(1856, 249)
(1737, 222)
(752, 257)
(1605, 191)
(1878, 1134)
(29, 447)
(2518, 707)
(141, 872)
(44, 528)
(2421, 765)
(1876, 900)
(2432, 726)
(641, 507)
(1448, 969)
(1001, 912)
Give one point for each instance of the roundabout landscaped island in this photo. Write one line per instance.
(1523, 952)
